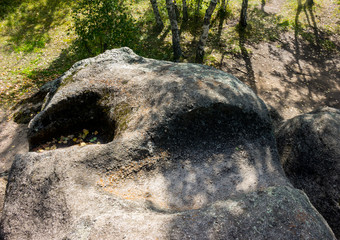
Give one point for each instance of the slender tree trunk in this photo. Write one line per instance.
(159, 22)
(185, 10)
(224, 8)
(176, 10)
(310, 3)
(243, 17)
(174, 29)
(263, 3)
(205, 32)
(198, 6)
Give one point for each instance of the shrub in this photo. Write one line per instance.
(102, 25)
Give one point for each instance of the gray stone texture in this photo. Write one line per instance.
(309, 146)
(190, 155)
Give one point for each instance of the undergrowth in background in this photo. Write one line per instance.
(103, 24)
(41, 39)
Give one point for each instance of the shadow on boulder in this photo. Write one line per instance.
(191, 155)
(309, 147)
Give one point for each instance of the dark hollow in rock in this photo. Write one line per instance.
(82, 138)
(309, 147)
(70, 116)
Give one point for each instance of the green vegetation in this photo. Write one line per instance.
(103, 24)
(33, 35)
(40, 39)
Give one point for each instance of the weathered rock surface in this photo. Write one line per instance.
(13, 140)
(190, 154)
(309, 146)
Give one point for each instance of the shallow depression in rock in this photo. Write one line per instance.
(80, 117)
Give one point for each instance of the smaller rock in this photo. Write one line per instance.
(309, 147)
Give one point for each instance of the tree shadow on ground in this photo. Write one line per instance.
(247, 60)
(297, 78)
(312, 74)
(29, 30)
(312, 23)
(291, 70)
(218, 23)
(8, 6)
(263, 3)
(153, 44)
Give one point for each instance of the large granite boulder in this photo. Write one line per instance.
(188, 153)
(309, 146)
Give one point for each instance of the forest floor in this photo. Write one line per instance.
(294, 73)
(291, 74)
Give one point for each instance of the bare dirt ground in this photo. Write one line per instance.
(291, 81)
(291, 75)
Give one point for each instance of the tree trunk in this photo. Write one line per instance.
(174, 29)
(243, 18)
(176, 10)
(310, 3)
(185, 10)
(205, 32)
(159, 22)
(198, 6)
(224, 8)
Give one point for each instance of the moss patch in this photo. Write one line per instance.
(121, 114)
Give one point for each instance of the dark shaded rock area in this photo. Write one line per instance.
(190, 154)
(309, 146)
(26, 109)
(70, 116)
